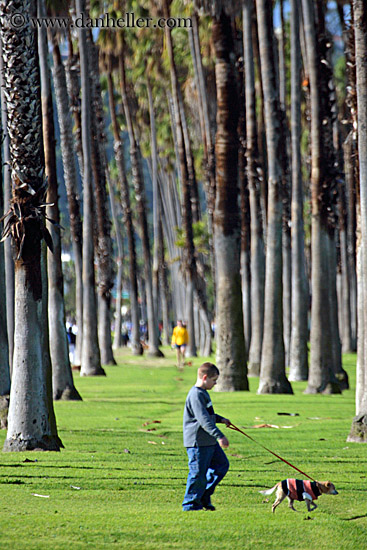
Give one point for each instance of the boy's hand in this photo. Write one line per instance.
(223, 442)
(226, 422)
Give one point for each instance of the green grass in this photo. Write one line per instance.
(133, 499)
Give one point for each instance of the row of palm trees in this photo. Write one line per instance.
(217, 110)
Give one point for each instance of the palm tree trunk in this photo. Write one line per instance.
(72, 73)
(4, 348)
(195, 284)
(287, 256)
(208, 140)
(30, 410)
(156, 202)
(91, 358)
(257, 238)
(231, 351)
(298, 356)
(272, 373)
(245, 261)
(261, 133)
(71, 184)
(340, 373)
(8, 251)
(349, 167)
(358, 431)
(127, 220)
(321, 374)
(142, 214)
(103, 226)
(117, 341)
(62, 378)
(245, 248)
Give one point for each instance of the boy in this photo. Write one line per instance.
(208, 464)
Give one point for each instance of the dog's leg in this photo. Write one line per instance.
(311, 505)
(280, 497)
(291, 504)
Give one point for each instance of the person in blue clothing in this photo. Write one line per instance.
(204, 442)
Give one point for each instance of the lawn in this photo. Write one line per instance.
(120, 480)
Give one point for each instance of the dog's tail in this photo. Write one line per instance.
(269, 491)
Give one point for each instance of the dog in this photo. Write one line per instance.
(296, 489)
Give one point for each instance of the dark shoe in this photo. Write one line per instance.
(209, 507)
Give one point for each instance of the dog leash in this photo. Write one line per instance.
(233, 427)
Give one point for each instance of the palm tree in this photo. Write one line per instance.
(272, 373)
(104, 243)
(195, 285)
(231, 351)
(63, 385)
(257, 234)
(71, 183)
(358, 431)
(135, 156)
(298, 355)
(287, 256)
(4, 348)
(321, 375)
(30, 410)
(123, 186)
(91, 359)
(8, 252)
(208, 142)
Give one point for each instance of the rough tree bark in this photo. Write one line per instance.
(358, 432)
(91, 358)
(272, 372)
(298, 356)
(30, 415)
(231, 351)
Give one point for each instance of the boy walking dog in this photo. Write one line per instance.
(208, 463)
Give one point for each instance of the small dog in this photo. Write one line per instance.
(296, 489)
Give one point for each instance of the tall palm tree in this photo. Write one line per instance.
(91, 358)
(63, 385)
(4, 348)
(207, 131)
(138, 181)
(272, 373)
(253, 167)
(195, 285)
(358, 431)
(104, 243)
(8, 252)
(298, 355)
(71, 183)
(231, 351)
(30, 414)
(123, 187)
(321, 375)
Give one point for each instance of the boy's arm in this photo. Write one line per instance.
(198, 404)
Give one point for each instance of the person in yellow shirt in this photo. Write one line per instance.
(180, 339)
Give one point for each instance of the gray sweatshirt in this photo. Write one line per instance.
(199, 429)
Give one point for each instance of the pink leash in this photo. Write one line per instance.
(233, 427)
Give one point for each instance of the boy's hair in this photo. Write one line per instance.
(209, 369)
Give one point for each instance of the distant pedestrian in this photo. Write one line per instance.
(71, 340)
(179, 341)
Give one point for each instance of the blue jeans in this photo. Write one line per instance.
(207, 467)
